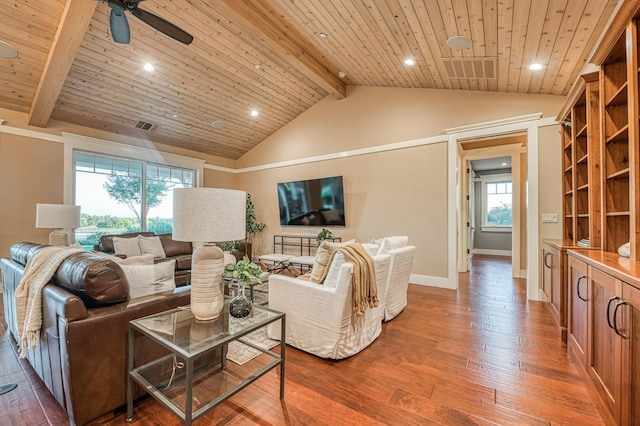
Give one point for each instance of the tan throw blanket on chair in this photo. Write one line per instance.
(364, 287)
(37, 273)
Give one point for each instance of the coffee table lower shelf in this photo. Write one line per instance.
(194, 376)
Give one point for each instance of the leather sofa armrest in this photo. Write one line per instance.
(59, 302)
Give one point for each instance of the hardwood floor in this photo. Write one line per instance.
(480, 356)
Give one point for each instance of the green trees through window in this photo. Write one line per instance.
(112, 192)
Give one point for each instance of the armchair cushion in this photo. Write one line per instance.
(391, 243)
(323, 257)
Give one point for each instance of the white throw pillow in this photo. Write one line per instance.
(149, 279)
(392, 243)
(126, 246)
(323, 255)
(152, 245)
(145, 259)
(331, 279)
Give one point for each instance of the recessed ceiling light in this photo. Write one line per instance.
(409, 62)
(148, 67)
(342, 74)
(459, 42)
(174, 115)
(536, 66)
(323, 35)
(257, 66)
(218, 124)
(7, 51)
(254, 113)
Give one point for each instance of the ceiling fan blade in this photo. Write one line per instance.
(161, 25)
(119, 25)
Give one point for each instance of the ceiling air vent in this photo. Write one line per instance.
(143, 125)
(467, 68)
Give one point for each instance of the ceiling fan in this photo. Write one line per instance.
(120, 27)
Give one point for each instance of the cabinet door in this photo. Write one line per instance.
(578, 295)
(605, 345)
(628, 321)
(547, 276)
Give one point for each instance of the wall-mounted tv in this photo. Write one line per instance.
(313, 202)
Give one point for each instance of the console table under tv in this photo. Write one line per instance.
(293, 250)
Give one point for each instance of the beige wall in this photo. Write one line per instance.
(31, 172)
(393, 192)
(385, 194)
(372, 116)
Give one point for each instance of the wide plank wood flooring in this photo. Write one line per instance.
(482, 355)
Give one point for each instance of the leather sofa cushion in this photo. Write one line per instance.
(22, 252)
(96, 280)
(174, 248)
(106, 241)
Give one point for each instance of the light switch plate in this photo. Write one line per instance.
(549, 217)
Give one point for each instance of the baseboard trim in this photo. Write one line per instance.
(491, 252)
(432, 281)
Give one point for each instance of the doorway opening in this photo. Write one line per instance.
(493, 207)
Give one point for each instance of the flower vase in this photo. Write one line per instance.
(240, 306)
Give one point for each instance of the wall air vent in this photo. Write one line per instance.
(468, 68)
(143, 125)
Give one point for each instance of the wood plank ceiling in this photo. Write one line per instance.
(271, 56)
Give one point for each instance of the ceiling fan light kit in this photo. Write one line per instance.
(120, 26)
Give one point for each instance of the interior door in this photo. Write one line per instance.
(472, 216)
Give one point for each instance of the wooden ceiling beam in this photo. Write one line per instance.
(244, 15)
(71, 29)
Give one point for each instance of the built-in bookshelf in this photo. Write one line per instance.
(614, 108)
(600, 147)
(580, 157)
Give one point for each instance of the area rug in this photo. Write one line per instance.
(241, 353)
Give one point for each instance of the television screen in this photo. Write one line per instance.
(314, 202)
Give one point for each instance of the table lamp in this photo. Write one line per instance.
(207, 215)
(58, 216)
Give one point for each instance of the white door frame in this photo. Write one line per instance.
(526, 123)
(513, 151)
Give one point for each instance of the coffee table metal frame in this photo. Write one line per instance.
(136, 373)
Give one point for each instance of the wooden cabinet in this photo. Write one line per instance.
(578, 296)
(605, 345)
(554, 282)
(603, 330)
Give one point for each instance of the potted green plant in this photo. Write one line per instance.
(241, 273)
(323, 235)
(252, 225)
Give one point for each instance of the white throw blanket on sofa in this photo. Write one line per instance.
(37, 273)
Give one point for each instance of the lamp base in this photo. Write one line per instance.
(59, 238)
(207, 297)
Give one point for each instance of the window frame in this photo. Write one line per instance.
(144, 174)
(497, 178)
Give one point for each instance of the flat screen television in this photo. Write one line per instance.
(313, 202)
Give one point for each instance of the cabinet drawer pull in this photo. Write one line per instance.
(615, 320)
(611, 326)
(578, 287)
(546, 255)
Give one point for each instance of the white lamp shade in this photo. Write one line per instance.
(57, 216)
(209, 214)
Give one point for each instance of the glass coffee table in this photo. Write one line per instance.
(182, 363)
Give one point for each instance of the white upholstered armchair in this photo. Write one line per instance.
(319, 317)
(395, 298)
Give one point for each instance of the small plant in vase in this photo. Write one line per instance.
(241, 273)
(323, 235)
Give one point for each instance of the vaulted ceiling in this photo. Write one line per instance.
(277, 57)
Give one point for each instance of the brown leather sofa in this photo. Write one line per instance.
(178, 250)
(86, 312)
